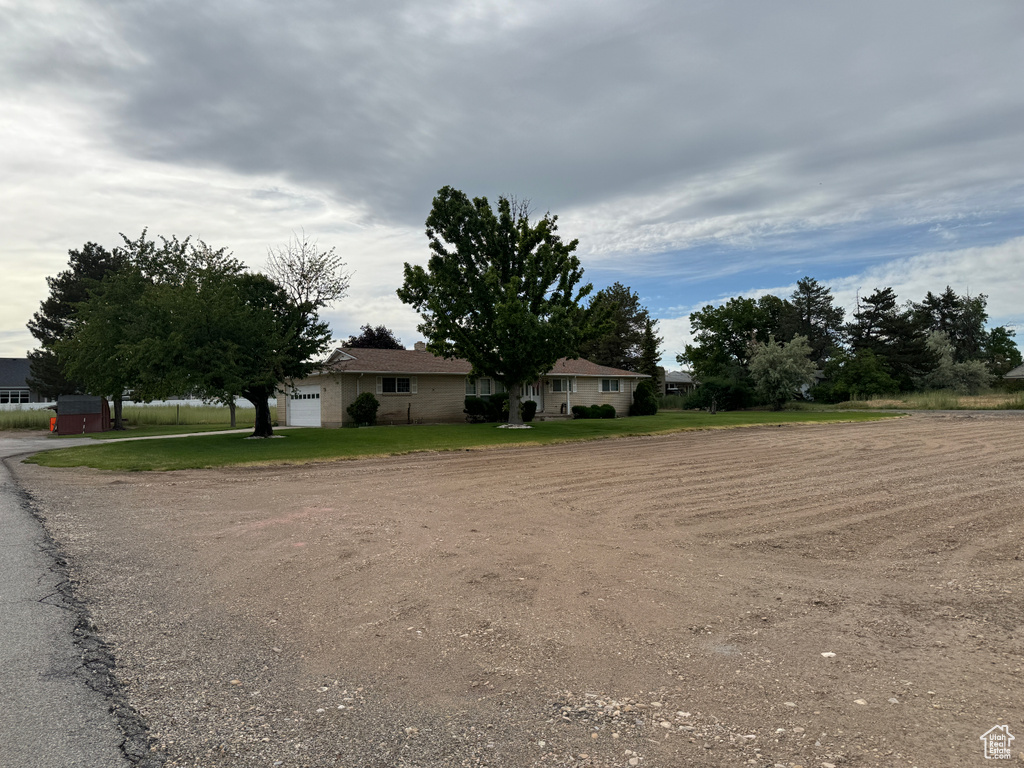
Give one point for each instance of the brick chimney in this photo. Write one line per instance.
(420, 346)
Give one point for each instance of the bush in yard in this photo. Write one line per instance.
(497, 407)
(607, 411)
(476, 410)
(645, 399)
(364, 409)
(529, 410)
(580, 412)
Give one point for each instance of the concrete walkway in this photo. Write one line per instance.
(49, 716)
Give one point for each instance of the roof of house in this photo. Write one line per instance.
(355, 360)
(13, 372)
(411, 361)
(583, 367)
(678, 377)
(1016, 373)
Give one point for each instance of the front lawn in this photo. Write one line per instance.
(297, 446)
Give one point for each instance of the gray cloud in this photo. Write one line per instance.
(383, 103)
(688, 139)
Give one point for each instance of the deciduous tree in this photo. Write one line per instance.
(723, 335)
(309, 275)
(779, 370)
(499, 291)
(370, 337)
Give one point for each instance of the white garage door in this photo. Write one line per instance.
(304, 407)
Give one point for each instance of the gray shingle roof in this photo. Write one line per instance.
(1016, 373)
(351, 360)
(13, 372)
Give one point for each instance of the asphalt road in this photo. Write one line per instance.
(49, 716)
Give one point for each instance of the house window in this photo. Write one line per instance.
(483, 387)
(558, 385)
(609, 385)
(395, 384)
(10, 396)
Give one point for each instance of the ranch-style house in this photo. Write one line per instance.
(414, 386)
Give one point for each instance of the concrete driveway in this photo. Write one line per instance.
(49, 714)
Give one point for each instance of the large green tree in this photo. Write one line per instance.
(812, 314)
(1001, 352)
(893, 335)
(185, 318)
(779, 371)
(375, 337)
(617, 322)
(650, 344)
(961, 318)
(723, 335)
(499, 290)
(968, 377)
(56, 318)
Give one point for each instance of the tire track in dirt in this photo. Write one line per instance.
(483, 598)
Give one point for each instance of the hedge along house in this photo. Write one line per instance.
(414, 386)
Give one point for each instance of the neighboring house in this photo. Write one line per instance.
(1016, 373)
(679, 383)
(14, 373)
(414, 386)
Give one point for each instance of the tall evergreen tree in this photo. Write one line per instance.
(812, 314)
(961, 318)
(891, 333)
(649, 354)
(618, 323)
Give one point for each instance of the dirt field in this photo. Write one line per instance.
(640, 602)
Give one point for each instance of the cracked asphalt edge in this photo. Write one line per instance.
(98, 669)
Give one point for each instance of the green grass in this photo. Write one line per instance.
(297, 446)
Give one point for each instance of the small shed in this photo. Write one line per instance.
(78, 414)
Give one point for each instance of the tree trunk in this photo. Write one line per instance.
(231, 408)
(259, 397)
(118, 409)
(515, 411)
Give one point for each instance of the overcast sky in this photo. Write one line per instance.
(698, 150)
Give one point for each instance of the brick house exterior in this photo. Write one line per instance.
(414, 386)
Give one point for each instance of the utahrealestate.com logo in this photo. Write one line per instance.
(997, 742)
